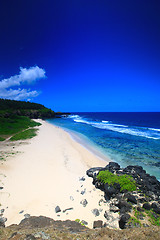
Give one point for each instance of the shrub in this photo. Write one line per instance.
(126, 182)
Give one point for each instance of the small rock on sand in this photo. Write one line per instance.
(84, 202)
(95, 211)
(57, 209)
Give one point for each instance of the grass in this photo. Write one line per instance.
(137, 214)
(134, 221)
(14, 125)
(29, 133)
(154, 220)
(126, 182)
(149, 213)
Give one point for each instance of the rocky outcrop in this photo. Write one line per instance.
(137, 208)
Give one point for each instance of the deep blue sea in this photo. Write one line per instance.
(127, 138)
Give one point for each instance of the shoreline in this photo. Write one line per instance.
(46, 170)
(86, 143)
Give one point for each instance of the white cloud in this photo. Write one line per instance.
(25, 76)
(18, 94)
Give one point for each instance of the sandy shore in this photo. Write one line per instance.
(44, 172)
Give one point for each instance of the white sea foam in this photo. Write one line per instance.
(135, 131)
(154, 129)
(73, 116)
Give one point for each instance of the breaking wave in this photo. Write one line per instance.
(108, 125)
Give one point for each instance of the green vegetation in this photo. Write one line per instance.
(2, 139)
(13, 104)
(126, 182)
(79, 221)
(134, 221)
(15, 118)
(153, 218)
(22, 108)
(137, 214)
(15, 124)
(29, 133)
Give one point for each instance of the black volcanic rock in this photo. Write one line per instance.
(154, 205)
(147, 206)
(123, 220)
(157, 210)
(124, 206)
(147, 193)
(132, 199)
(111, 191)
(113, 166)
(94, 171)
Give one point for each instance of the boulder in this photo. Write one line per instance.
(93, 171)
(124, 206)
(123, 220)
(157, 210)
(147, 206)
(114, 166)
(111, 191)
(132, 199)
(134, 169)
(154, 205)
(98, 224)
(140, 209)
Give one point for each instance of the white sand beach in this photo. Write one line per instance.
(44, 172)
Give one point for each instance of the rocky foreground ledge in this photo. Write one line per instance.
(138, 211)
(137, 208)
(44, 228)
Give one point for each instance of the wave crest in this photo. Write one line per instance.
(107, 125)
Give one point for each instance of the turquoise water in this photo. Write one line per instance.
(127, 138)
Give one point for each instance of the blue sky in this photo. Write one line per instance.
(82, 55)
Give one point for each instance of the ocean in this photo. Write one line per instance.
(126, 138)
